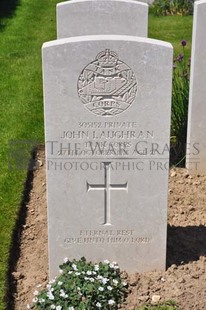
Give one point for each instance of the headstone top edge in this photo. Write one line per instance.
(199, 2)
(107, 38)
(65, 3)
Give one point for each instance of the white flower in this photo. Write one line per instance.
(58, 307)
(52, 281)
(105, 280)
(109, 288)
(50, 288)
(53, 307)
(60, 283)
(101, 288)
(106, 261)
(28, 306)
(98, 305)
(91, 279)
(35, 299)
(71, 308)
(115, 281)
(66, 259)
(89, 273)
(36, 293)
(124, 283)
(70, 272)
(63, 294)
(50, 295)
(39, 285)
(114, 265)
(41, 300)
(111, 302)
(60, 271)
(96, 267)
(99, 277)
(94, 272)
(77, 273)
(74, 267)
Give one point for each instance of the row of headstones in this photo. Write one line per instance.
(107, 96)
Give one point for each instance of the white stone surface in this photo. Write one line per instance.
(107, 124)
(196, 133)
(94, 17)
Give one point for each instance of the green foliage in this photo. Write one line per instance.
(168, 305)
(172, 7)
(180, 98)
(173, 29)
(83, 285)
(21, 106)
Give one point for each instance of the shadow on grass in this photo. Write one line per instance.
(185, 244)
(7, 9)
(16, 236)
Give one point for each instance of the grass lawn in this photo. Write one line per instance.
(172, 29)
(21, 104)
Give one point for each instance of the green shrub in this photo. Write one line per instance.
(83, 285)
(172, 7)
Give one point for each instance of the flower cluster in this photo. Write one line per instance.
(83, 285)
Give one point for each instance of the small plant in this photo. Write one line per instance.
(82, 285)
(180, 98)
(168, 305)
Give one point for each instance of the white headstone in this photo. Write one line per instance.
(107, 124)
(196, 132)
(94, 17)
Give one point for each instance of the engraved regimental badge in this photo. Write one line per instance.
(107, 86)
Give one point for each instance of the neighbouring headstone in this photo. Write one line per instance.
(94, 17)
(107, 124)
(196, 132)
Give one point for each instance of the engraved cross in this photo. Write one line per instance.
(107, 187)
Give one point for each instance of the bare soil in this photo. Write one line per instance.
(185, 278)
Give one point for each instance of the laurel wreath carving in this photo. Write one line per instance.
(123, 95)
